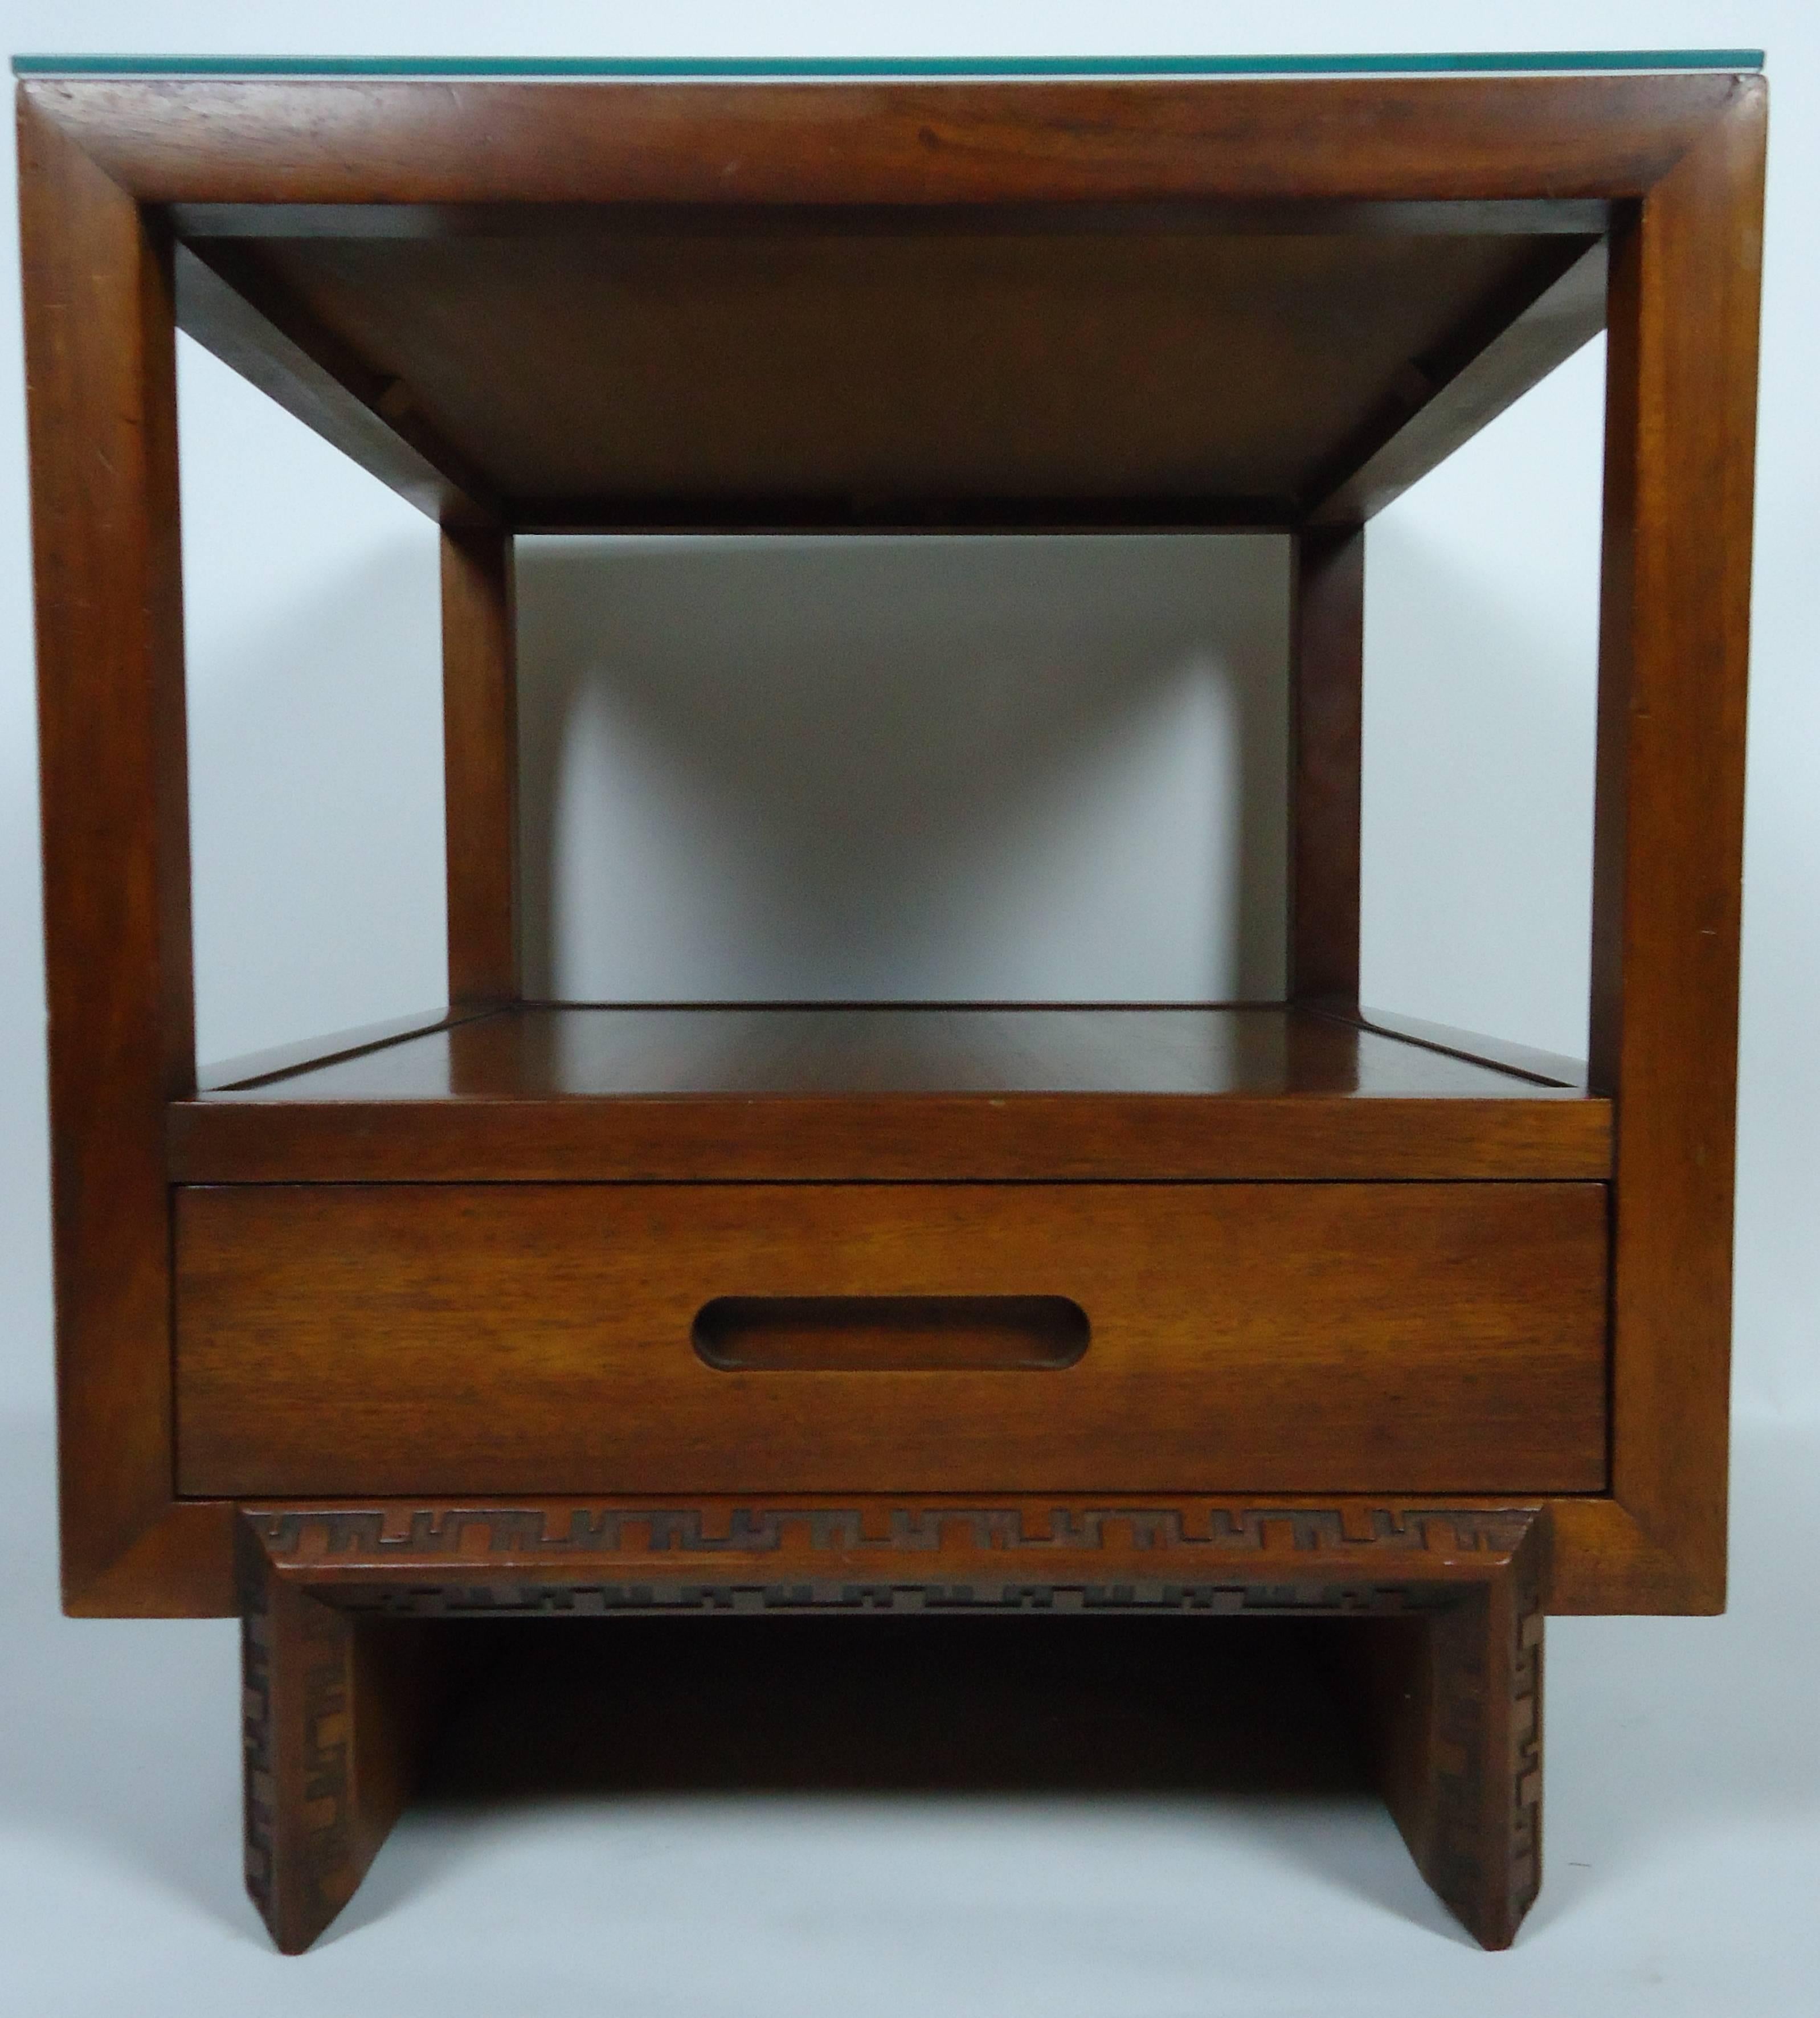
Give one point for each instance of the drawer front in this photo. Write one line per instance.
(524, 1339)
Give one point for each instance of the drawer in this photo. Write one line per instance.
(348, 1339)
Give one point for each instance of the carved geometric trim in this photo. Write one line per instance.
(327, 1759)
(1526, 1738)
(1455, 1865)
(259, 1780)
(1475, 1577)
(304, 1654)
(547, 1600)
(1487, 1754)
(394, 1533)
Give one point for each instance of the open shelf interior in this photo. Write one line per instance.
(543, 1051)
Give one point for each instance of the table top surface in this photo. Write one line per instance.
(1453, 63)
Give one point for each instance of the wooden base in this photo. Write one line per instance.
(1444, 1661)
(337, 1712)
(1451, 1708)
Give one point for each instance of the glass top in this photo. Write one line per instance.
(835, 67)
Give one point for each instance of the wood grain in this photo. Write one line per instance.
(1550, 1068)
(1488, 363)
(1681, 416)
(863, 1138)
(241, 1074)
(378, 141)
(1521, 217)
(1326, 713)
(101, 397)
(229, 308)
(982, 512)
(919, 373)
(480, 764)
(521, 1338)
(824, 1092)
(549, 1050)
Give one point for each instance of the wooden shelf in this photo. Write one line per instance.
(549, 1091)
(795, 366)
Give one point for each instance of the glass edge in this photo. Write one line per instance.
(1488, 62)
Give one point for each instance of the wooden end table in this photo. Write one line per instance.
(1258, 1307)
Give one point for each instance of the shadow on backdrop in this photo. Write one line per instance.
(1228, 1727)
(932, 769)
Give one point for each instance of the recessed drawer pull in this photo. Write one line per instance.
(890, 1334)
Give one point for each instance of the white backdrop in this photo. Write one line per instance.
(1092, 867)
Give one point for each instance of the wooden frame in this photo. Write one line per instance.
(111, 168)
(480, 764)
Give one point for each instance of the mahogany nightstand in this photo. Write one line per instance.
(528, 1307)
